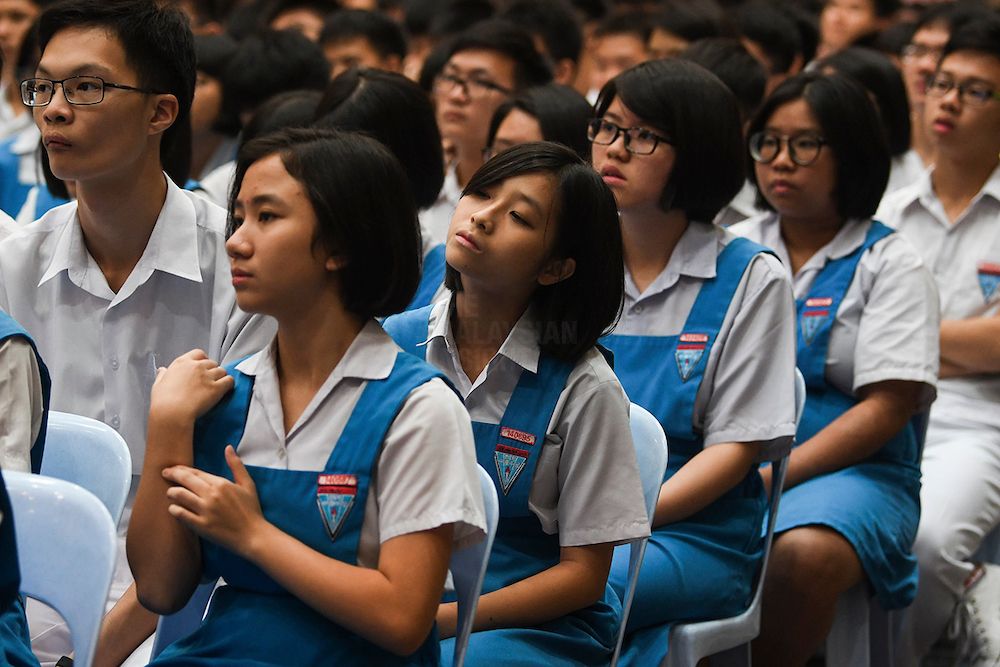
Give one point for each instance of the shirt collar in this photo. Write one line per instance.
(695, 255)
(849, 238)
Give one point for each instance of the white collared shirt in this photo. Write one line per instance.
(747, 393)
(21, 400)
(887, 325)
(436, 218)
(426, 474)
(954, 254)
(103, 348)
(586, 486)
(7, 225)
(11, 123)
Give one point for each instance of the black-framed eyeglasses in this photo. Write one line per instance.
(915, 50)
(471, 87)
(78, 90)
(973, 93)
(638, 140)
(803, 149)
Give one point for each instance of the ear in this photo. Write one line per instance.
(165, 112)
(556, 271)
(335, 263)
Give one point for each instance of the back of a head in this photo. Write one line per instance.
(773, 31)
(733, 64)
(346, 177)
(554, 21)
(381, 32)
(287, 110)
(456, 16)
(625, 22)
(981, 36)
(213, 53)
(692, 21)
(157, 43)
(396, 112)
(952, 15)
(562, 114)
(506, 38)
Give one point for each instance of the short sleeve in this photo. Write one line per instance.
(20, 404)
(427, 475)
(753, 384)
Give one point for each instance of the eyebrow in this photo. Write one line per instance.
(259, 200)
(530, 201)
(476, 71)
(76, 71)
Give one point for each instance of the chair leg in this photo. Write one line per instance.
(848, 643)
(738, 656)
(880, 635)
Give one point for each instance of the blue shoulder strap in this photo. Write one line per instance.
(8, 329)
(223, 424)
(431, 277)
(409, 329)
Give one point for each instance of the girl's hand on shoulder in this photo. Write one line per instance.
(186, 390)
(227, 513)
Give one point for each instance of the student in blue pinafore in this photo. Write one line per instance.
(705, 342)
(534, 267)
(328, 482)
(868, 350)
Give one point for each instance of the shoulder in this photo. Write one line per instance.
(35, 236)
(753, 227)
(593, 376)
(210, 218)
(895, 204)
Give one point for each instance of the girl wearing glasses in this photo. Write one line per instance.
(705, 342)
(867, 345)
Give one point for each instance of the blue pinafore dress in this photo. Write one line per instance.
(431, 277)
(510, 451)
(702, 567)
(254, 621)
(875, 504)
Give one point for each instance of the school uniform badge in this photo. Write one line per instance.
(989, 279)
(815, 313)
(510, 462)
(335, 496)
(690, 350)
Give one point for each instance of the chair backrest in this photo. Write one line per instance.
(66, 550)
(650, 444)
(468, 568)
(89, 453)
(182, 623)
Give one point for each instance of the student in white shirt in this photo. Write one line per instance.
(951, 217)
(134, 272)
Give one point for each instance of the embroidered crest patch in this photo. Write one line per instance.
(813, 317)
(690, 349)
(514, 434)
(989, 278)
(510, 462)
(335, 497)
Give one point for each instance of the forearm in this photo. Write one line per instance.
(972, 346)
(124, 628)
(703, 480)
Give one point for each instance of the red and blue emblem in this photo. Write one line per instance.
(510, 462)
(815, 313)
(335, 496)
(690, 349)
(989, 278)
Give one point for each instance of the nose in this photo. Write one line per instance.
(58, 110)
(483, 219)
(237, 245)
(617, 148)
(783, 160)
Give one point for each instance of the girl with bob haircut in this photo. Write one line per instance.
(552, 112)
(535, 273)
(299, 474)
(705, 343)
(867, 345)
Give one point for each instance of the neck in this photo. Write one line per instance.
(481, 323)
(117, 218)
(313, 339)
(958, 178)
(804, 237)
(920, 140)
(649, 237)
(203, 148)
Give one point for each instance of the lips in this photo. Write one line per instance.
(943, 125)
(781, 186)
(466, 240)
(56, 142)
(240, 277)
(612, 175)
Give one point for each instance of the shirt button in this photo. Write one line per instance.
(115, 422)
(636, 309)
(114, 363)
(281, 453)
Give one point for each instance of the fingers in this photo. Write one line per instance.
(240, 474)
(183, 497)
(191, 478)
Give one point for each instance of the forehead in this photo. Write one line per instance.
(621, 114)
(483, 62)
(26, 7)
(520, 126)
(794, 115)
(89, 50)
(625, 43)
(351, 45)
(935, 34)
(268, 176)
(972, 65)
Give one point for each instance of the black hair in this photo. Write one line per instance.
(506, 38)
(553, 21)
(590, 10)
(213, 53)
(158, 45)
(210, 11)
(456, 16)
(773, 31)
(272, 9)
(287, 110)
(346, 177)
(807, 26)
(881, 78)
(394, 110)
(726, 58)
(384, 35)
(885, 8)
(894, 39)
(700, 115)
(952, 15)
(634, 23)
(692, 21)
(561, 112)
(981, 36)
(572, 314)
(853, 133)
(272, 62)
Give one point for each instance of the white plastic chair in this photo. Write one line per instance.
(66, 550)
(651, 454)
(727, 640)
(89, 453)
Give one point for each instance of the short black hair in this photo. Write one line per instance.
(952, 15)
(506, 38)
(346, 177)
(272, 62)
(455, 16)
(881, 78)
(573, 313)
(853, 132)
(773, 31)
(728, 59)
(982, 36)
(158, 45)
(553, 21)
(631, 22)
(213, 53)
(290, 109)
(394, 110)
(692, 21)
(701, 117)
(384, 34)
(272, 9)
(561, 112)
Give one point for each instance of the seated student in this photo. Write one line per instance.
(950, 216)
(556, 30)
(213, 125)
(552, 112)
(843, 23)
(867, 347)
(15, 643)
(678, 24)
(132, 272)
(17, 19)
(331, 430)
(770, 34)
(303, 16)
(700, 305)
(391, 108)
(357, 38)
(618, 42)
(534, 267)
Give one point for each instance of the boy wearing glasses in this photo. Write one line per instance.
(134, 273)
(950, 215)
(488, 63)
